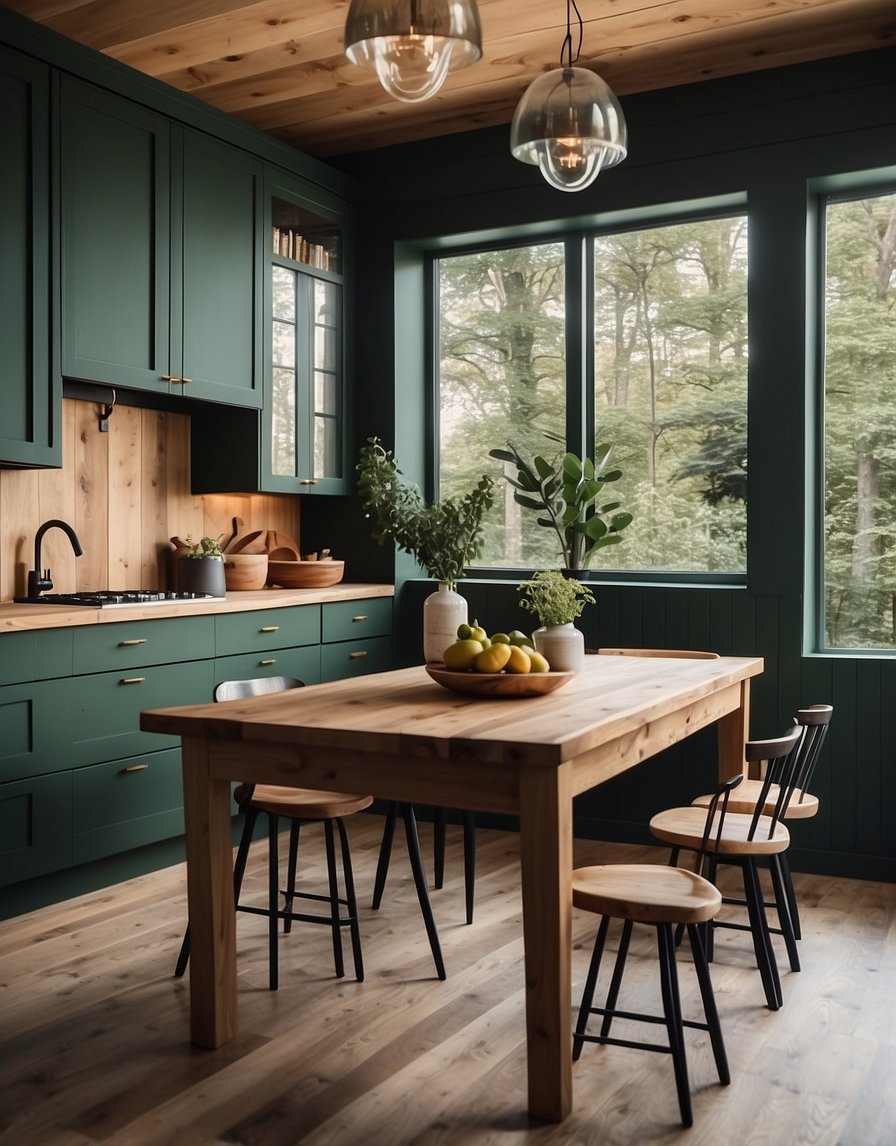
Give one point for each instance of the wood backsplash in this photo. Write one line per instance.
(125, 493)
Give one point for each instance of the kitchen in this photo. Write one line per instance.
(126, 490)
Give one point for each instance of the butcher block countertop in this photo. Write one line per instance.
(17, 618)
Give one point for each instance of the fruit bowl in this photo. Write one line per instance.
(503, 684)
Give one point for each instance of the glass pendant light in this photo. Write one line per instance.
(569, 123)
(413, 43)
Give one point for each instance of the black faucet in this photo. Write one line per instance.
(38, 583)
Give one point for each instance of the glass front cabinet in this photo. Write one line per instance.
(305, 432)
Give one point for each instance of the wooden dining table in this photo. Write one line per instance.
(401, 736)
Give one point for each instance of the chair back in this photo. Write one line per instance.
(715, 821)
(782, 757)
(256, 686)
(815, 721)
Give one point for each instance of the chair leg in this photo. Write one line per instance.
(762, 943)
(616, 981)
(590, 985)
(701, 966)
(672, 1011)
(273, 902)
(382, 865)
(351, 901)
(438, 846)
(291, 867)
(782, 906)
(410, 828)
(334, 899)
(790, 894)
(469, 861)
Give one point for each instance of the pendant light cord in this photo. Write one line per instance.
(566, 48)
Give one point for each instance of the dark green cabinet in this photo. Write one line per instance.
(30, 394)
(160, 252)
(35, 827)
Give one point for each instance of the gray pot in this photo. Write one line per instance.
(201, 575)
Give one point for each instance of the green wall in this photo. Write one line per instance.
(766, 140)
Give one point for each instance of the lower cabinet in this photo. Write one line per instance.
(35, 827)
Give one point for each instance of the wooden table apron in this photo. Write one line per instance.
(399, 735)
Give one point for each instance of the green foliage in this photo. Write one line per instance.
(443, 537)
(553, 598)
(204, 547)
(568, 491)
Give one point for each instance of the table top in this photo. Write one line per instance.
(405, 713)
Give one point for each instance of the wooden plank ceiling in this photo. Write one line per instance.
(278, 64)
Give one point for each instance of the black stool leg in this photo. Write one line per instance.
(334, 899)
(351, 901)
(382, 865)
(714, 1027)
(438, 846)
(410, 828)
(616, 981)
(291, 867)
(762, 943)
(273, 902)
(672, 1010)
(782, 906)
(590, 984)
(469, 861)
(790, 894)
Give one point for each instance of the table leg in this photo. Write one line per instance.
(733, 733)
(207, 813)
(546, 863)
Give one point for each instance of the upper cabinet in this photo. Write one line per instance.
(161, 255)
(30, 398)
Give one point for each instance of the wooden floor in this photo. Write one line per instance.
(93, 1027)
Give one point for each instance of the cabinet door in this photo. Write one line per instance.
(30, 396)
(216, 304)
(35, 827)
(115, 172)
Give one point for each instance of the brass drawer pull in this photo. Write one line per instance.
(134, 768)
(168, 378)
(308, 481)
(132, 680)
(181, 381)
(271, 661)
(131, 643)
(360, 617)
(270, 629)
(357, 656)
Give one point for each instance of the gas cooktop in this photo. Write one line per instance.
(112, 598)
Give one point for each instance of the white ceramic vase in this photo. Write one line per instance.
(562, 645)
(443, 611)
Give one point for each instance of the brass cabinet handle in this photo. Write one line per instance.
(168, 378)
(134, 768)
(269, 629)
(360, 617)
(181, 381)
(357, 656)
(308, 481)
(132, 680)
(134, 641)
(272, 661)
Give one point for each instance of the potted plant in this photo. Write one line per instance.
(443, 537)
(567, 491)
(201, 568)
(557, 601)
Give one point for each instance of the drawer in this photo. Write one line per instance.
(131, 644)
(302, 663)
(267, 629)
(16, 658)
(106, 707)
(34, 728)
(38, 655)
(355, 658)
(35, 827)
(125, 804)
(357, 620)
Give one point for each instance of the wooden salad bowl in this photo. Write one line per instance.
(502, 684)
(305, 574)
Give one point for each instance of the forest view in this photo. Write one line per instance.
(670, 387)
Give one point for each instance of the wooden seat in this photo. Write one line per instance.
(802, 805)
(743, 839)
(664, 898)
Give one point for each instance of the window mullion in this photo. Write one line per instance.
(578, 327)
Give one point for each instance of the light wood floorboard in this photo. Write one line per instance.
(93, 1026)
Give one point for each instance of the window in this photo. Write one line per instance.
(665, 326)
(859, 356)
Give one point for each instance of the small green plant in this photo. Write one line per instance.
(205, 547)
(553, 598)
(443, 537)
(567, 492)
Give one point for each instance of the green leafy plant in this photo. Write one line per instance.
(443, 537)
(204, 547)
(567, 491)
(553, 598)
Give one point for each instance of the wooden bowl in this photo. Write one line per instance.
(502, 684)
(305, 574)
(245, 570)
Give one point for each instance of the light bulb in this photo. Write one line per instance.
(412, 67)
